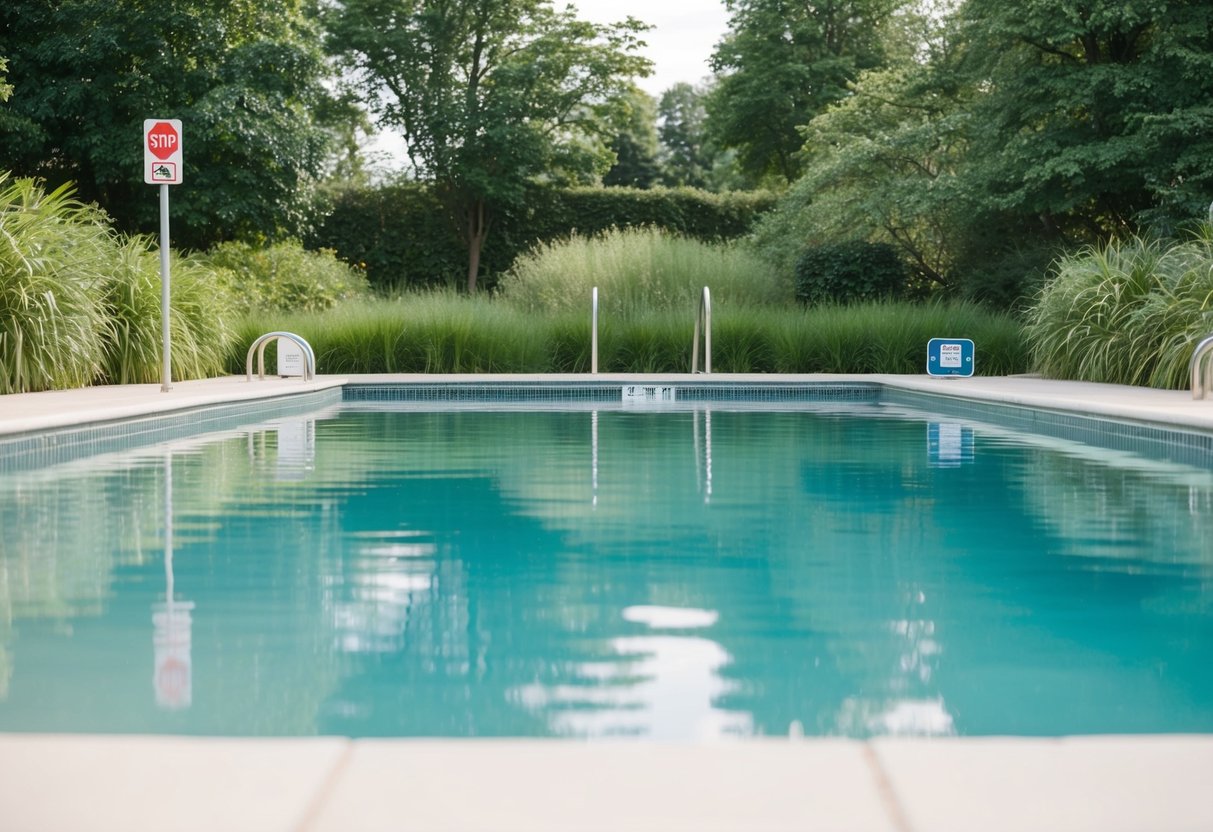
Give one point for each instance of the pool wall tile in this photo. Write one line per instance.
(24, 452)
(1171, 443)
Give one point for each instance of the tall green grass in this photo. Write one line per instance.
(637, 271)
(448, 333)
(54, 252)
(80, 304)
(1126, 313)
(422, 332)
(200, 318)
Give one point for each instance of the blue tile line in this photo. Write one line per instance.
(38, 449)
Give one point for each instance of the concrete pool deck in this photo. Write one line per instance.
(131, 783)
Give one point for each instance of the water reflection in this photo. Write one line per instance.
(389, 573)
(468, 574)
(172, 623)
(661, 686)
(949, 444)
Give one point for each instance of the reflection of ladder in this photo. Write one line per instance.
(704, 320)
(309, 357)
(703, 473)
(1202, 376)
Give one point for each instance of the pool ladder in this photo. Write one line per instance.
(703, 322)
(1200, 369)
(309, 357)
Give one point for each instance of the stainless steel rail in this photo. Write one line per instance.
(594, 330)
(309, 357)
(704, 319)
(1200, 370)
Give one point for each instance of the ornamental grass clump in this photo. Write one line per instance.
(1126, 313)
(199, 318)
(54, 251)
(638, 270)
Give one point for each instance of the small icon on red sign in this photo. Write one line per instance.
(164, 172)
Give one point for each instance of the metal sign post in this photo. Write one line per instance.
(162, 166)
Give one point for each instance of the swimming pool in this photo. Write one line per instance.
(666, 569)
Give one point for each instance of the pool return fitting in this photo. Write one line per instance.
(309, 357)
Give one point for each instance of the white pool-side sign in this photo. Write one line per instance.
(950, 357)
(162, 163)
(290, 358)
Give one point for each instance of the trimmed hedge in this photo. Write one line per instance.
(849, 272)
(402, 238)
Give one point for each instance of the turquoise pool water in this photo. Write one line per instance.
(665, 573)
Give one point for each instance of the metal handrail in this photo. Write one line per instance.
(1202, 385)
(594, 330)
(309, 363)
(705, 318)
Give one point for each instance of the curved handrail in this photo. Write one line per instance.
(1201, 386)
(705, 318)
(309, 363)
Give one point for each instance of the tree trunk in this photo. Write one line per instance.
(476, 228)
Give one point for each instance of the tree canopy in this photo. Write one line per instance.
(782, 63)
(490, 94)
(244, 78)
(1015, 131)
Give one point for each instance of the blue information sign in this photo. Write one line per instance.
(950, 357)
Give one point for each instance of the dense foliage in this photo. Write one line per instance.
(783, 62)
(1017, 132)
(848, 272)
(285, 276)
(244, 78)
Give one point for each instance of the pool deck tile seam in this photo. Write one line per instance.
(884, 788)
(324, 793)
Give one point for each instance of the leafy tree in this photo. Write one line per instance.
(1095, 114)
(490, 94)
(635, 144)
(6, 90)
(994, 148)
(244, 78)
(783, 62)
(686, 157)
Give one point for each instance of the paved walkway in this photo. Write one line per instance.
(1134, 784)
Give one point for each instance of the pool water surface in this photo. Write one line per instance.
(674, 573)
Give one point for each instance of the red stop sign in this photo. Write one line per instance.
(162, 140)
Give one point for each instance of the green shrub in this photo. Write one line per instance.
(638, 270)
(1128, 313)
(200, 317)
(54, 251)
(849, 272)
(402, 235)
(285, 276)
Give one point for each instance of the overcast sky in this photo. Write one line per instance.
(684, 34)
